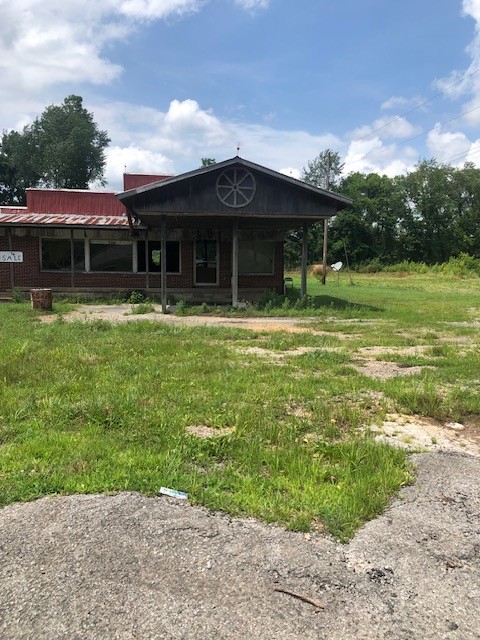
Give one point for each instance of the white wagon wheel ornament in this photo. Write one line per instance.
(235, 187)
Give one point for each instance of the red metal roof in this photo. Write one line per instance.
(134, 180)
(78, 201)
(59, 220)
(9, 209)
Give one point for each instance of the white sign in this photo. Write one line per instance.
(11, 256)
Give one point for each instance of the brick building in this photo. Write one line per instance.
(213, 234)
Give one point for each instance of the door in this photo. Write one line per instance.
(206, 262)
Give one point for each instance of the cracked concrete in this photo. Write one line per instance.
(127, 566)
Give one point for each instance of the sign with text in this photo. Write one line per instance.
(11, 256)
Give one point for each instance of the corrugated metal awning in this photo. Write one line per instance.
(63, 220)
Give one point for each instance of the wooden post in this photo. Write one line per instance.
(303, 290)
(235, 263)
(72, 260)
(163, 262)
(12, 266)
(147, 263)
(324, 261)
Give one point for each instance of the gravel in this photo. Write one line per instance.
(127, 566)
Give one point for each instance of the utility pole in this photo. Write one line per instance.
(325, 222)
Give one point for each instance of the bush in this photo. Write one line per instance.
(181, 307)
(143, 307)
(17, 296)
(374, 266)
(406, 266)
(462, 265)
(137, 297)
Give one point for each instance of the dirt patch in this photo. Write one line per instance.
(381, 370)
(299, 411)
(414, 432)
(279, 355)
(401, 351)
(203, 431)
(122, 313)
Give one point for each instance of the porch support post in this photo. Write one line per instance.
(163, 262)
(303, 290)
(12, 266)
(324, 261)
(235, 263)
(147, 268)
(72, 260)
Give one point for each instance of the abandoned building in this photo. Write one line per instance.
(215, 234)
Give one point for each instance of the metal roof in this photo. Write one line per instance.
(62, 220)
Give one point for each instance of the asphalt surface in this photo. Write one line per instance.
(127, 566)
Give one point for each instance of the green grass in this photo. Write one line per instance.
(101, 408)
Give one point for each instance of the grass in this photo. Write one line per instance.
(98, 407)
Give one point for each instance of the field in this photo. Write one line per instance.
(269, 424)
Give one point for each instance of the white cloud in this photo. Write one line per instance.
(178, 138)
(372, 156)
(44, 43)
(471, 83)
(292, 172)
(395, 127)
(398, 101)
(134, 160)
(472, 8)
(444, 145)
(252, 5)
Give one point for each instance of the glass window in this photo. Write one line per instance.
(255, 257)
(56, 255)
(110, 256)
(154, 260)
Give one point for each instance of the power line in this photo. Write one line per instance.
(419, 135)
(475, 149)
(411, 110)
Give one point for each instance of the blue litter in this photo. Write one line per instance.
(173, 493)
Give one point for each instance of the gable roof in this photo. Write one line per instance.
(168, 195)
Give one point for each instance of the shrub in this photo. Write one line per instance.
(461, 265)
(137, 297)
(181, 307)
(406, 266)
(17, 295)
(143, 307)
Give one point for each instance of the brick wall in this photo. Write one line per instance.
(28, 275)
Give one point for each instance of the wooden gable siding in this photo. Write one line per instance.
(198, 195)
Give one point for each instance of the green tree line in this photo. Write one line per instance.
(428, 215)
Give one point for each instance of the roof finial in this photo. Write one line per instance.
(238, 148)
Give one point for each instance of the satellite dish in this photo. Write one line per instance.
(337, 266)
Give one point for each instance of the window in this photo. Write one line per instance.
(255, 257)
(56, 255)
(154, 256)
(111, 256)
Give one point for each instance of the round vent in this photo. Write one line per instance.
(235, 187)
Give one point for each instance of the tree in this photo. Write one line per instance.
(432, 218)
(63, 148)
(323, 171)
(206, 162)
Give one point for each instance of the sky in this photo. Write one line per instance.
(385, 84)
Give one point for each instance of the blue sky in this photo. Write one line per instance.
(176, 80)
